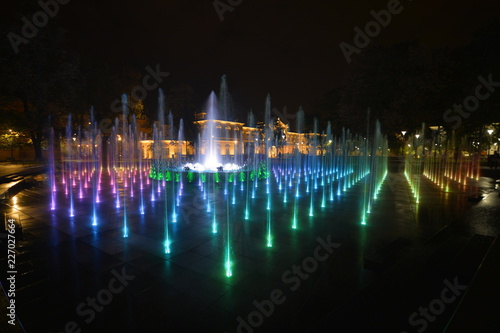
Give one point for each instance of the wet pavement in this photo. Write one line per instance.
(16, 168)
(74, 276)
(12, 175)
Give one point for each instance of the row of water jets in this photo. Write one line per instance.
(103, 171)
(452, 164)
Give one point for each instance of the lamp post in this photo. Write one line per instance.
(403, 133)
(416, 144)
(490, 132)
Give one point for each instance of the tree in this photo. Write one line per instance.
(403, 85)
(42, 80)
(105, 84)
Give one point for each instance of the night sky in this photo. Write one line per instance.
(289, 49)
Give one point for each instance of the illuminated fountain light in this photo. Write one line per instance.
(285, 196)
(269, 230)
(228, 262)
(294, 220)
(125, 222)
(167, 241)
(174, 198)
(210, 166)
(214, 223)
(166, 244)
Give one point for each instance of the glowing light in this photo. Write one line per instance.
(167, 246)
(228, 265)
(211, 165)
(214, 225)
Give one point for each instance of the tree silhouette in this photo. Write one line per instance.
(42, 82)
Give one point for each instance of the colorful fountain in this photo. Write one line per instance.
(299, 174)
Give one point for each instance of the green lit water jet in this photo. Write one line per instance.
(228, 263)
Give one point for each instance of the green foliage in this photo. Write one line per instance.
(263, 172)
(8, 141)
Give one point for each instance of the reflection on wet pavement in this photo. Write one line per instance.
(64, 261)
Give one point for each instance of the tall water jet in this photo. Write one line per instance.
(170, 128)
(330, 157)
(181, 142)
(96, 144)
(124, 156)
(250, 144)
(159, 158)
(228, 263)
(298, 163)
(225, 101)
(69, 158)
(52, 168)
(312, 157)
(366, 194)
(268, 145)
(211, 158)
(141, 183)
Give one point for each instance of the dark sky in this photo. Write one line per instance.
(289, 49)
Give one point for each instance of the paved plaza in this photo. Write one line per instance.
(326, 275)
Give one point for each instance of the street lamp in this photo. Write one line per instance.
(416, 144)
(403, 139)
(490, 132)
